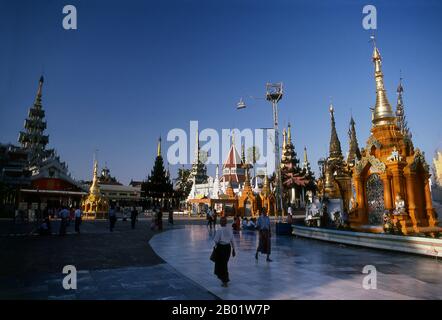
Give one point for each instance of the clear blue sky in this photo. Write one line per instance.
(135, 69)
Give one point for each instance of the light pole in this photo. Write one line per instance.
(274, 94)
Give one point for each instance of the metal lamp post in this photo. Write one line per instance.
(274, 93)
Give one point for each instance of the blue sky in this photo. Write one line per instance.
(136, 69)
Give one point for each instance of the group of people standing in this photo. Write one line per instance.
(211, 216)
(225, 245)
(113, 217)
(65, 215)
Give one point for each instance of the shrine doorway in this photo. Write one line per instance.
(375, 199)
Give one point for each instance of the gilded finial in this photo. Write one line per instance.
(383, 113)
(159, 147)
(289, 133)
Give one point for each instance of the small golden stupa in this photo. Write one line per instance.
(95, 205)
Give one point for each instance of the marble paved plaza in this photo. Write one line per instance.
(301, 268)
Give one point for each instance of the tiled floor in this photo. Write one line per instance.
(301, 268)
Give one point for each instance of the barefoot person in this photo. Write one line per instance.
(263, 225)
(224, 247)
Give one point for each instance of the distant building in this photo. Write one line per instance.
(115, 192)
(36, 174)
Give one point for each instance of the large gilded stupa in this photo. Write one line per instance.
(391, 176)
(95, 205)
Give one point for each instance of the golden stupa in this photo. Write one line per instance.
(95, 205)
(392, 176)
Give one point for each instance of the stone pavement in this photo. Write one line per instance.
(118, 265)
(301, 268)
(158, 282)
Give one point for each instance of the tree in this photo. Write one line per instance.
(183, 182)
(158, 184)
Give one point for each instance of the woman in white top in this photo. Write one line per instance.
(224, 247)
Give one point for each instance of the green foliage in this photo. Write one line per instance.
(184, 183)
(158, 183)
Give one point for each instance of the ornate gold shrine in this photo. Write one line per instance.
(391, 170)
(95, 205)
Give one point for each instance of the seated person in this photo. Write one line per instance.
(45, 227)
(251, 225)
(244, 223)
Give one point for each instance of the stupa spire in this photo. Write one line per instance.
(305, 157)
(289, 134)
(335, 150)
(354, 153)
(400, 113)
(382, 113)
(197, 147)
(32, 137)
(95, 189)
(37, 102)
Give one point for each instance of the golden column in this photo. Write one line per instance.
(398, 185)
(360, 199)
(410, 180)
(388, 203)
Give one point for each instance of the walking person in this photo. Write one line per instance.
(263, 225)
(112, 218)
(64, 215)
(171, 216)
(224, 246)
(209, 218)
(78, 215)
(133, 217)
(160, 219)
(214, 217)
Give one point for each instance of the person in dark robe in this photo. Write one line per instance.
(224, 247)
(236, 225)
(214, 217)
(160, 219)
(78, 215)
(133, 217)
(263, 225)
(112, 218)
(64, 216)
(170, 216)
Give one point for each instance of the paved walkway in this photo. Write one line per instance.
(301, 268)
(117, 265)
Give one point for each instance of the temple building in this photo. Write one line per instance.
(158, 189)
(337, 176)
(392, 176)
(233, 193)
(95, 205)
(115, 192)
(198, 172)
(233, 167)
(297, 181)
(41, 180)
